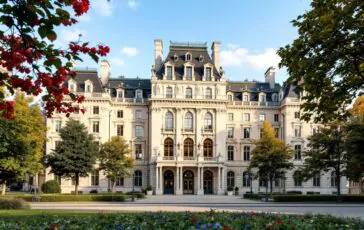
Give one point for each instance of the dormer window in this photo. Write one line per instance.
(200, 59)
(230, 97)
(88, 88)
(189, 73)
(120, 94)
(175, 57)
(72, 85)
(188, 57)
(208, 74)
(274, 97)
(169, 72)
(138, 93)
(246, 97)
(262, 97)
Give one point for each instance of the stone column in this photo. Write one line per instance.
(179, 190)
(160, 180)
(199, 186)
(218, 179)
(221, 190)
(156, 179)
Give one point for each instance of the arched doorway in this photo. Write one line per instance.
(188, 182)
(207, 182)
(168, 182)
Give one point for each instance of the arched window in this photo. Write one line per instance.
(188, 92)
(297, 178)
(208, 121)
(188, 121)
(138, 178)
(207, 148)
(208, 93)
(188, 147)
(247, 178)
(333, 179)
(316, 180)
(168, 147)
(169, 92)
(169, 121)
(230, 179)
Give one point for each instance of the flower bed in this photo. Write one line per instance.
(307, 198)
(186, 220)
(74, 198)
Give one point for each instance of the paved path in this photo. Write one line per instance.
(205, 203)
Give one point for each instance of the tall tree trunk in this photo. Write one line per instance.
(3, 187)
(338, 186)
(76, 184)
(271, 185)
(113, 186)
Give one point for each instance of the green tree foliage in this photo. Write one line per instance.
(115, 159)
(51, 186)
(327, 60)
(76, 153)
(270, 156)
(326, 152)
(358, 107)
(21, 141)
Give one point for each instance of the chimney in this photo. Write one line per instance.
(158, 51)
(104, 72)
(270, 77)
(216, 54)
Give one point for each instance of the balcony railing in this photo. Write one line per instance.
(189, 158)
(256, 103)
(168, 158)
(209, 158)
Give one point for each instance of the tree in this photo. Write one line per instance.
(326, 152)
(270, 156)
(327, 60)
(30, 61)
(358, 107)
(115, 159)
(75, 154)
(21, 142)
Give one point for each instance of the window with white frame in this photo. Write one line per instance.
(95, 126)
(139, 131)
(88, 88)
(262, 98)
(169, 72)
(276, 131)
(189, 73)
(297, 131)
(230, 154)
(246, 132)
(188, 92)
(96, 110)
(297, 178)
(120, 113)
(230, 132)
(261, 133)
(138, 114)
(139, 94)
(208, 121)
(297, 115)
(120, 93)
(188, 57)
(208, 93)
(169, 92)
(138, 150)
(231, 116)
(245, 97)
(246, 179)
(297, 152)
(120, 181)
(333, 179)
(95, 177)
(276, 117)
(230, 97)
(169, 121)
(138, 178)
(246, 153)
(120, 130)
(262, 117)
(246, 116)
(274, 97)
(316, 180)
(57, 125)
(188, 124)
(208, 74)
(230, 179)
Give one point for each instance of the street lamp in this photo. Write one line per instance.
(267, 182)
(132, 192)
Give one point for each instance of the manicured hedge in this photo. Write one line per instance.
(318, 198)
(13, 204)
(75, 198)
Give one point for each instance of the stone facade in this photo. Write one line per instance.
(190, 129)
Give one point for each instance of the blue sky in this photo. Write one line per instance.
(250, 32)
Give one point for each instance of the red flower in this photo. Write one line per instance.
(226, 228)
(193, 219)
(80, 6)
(278, 221)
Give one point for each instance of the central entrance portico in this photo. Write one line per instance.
(207, 182)
(188, 182)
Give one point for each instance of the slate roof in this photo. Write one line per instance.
(253, 88)
(129, 85)
(180, 50)
(84, 75)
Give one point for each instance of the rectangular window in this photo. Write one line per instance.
(95, 177)
(261, 133)
(58, 126)
(96, 127)
(188, 93)
(297, 152)
(188, 73)
(138, 115)
(230, 153)
(262, 117)
(246, 132)
(230, 132)
(139, 94)
(231, 116)
(96, 110)
(138, 131)
(276, 117)
(276, 130)
(297, 131)
(246, 98)
(88, 88)
(58, 179)
(246, 153)
(246, 117)
(120, 181)
(169, 72)
(208, 74)
(169, 92)
(120, 130)
(262, 98)
(297, 115)
(262, 182)
(138, 151)
(316, 180)
(120, 113)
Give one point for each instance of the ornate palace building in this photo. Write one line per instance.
(191, 130)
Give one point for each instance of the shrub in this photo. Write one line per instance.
(93, 191)
(78, 198)
(236, 189)
(318, 198)
(149, 188)
(51, 186)
(253, 196)
(294, 192)
(79, 192)
(13, 204)
(230, 188)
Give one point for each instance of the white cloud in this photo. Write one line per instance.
(240, 57)
(117, 61)
(130, 51)
(84, 18)
(102, 7)
(71, 35)
(133, 4)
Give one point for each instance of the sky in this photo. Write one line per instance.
(250, 32)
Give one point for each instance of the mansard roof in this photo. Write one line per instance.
(129, 85)
(196, 50)
(251, 86)
(87, 74)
